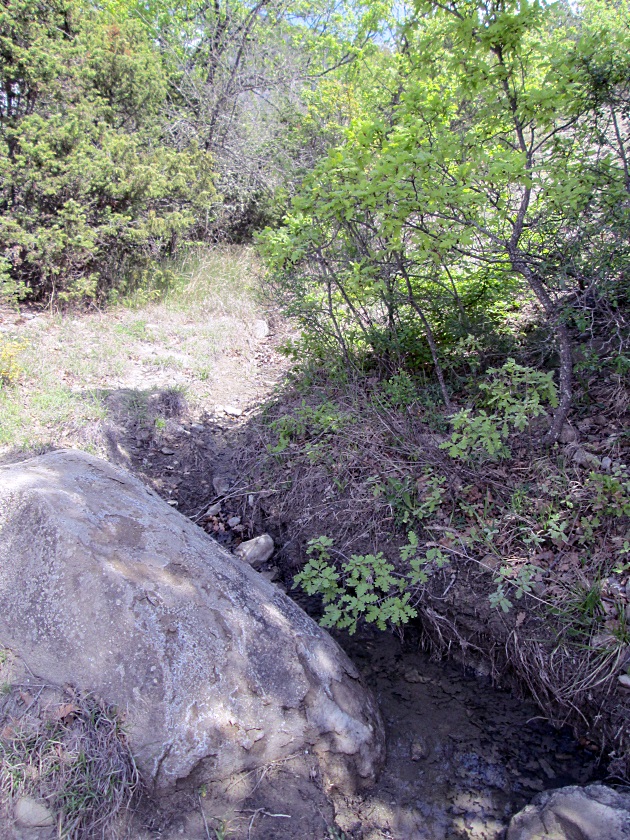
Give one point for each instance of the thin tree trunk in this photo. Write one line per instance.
(429, 336)
(564, 346)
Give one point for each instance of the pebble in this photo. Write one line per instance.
(260, 329)
(606, 463)
(256, 551)
(232, 411)
(585, 459)
(32, 814)
(419, 750)
(166, 451)
(414, 676)
(221, 485)
(568, 434)
(172, 502)
(213, 510)
(233, 521)
(624, 680)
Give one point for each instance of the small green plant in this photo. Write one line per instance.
(307, 422)
(611, 492)
(411, 500)
(367, 587)
(513, 397)
(136, 329)
(400, 390)
(514, 582)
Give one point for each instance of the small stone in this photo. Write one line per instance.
(221, 485)
(213, 510)
(256, 551)
(32, 814)
(532, 784)
(260, 329)
(547, 768)
(233, 521)
(603, 640)
(166, 451)
(172, 502)
(607, 463)
(271, 574)
(568, 434)
(232, 411)
(585, 459)
(419, 750)
(624, 680)
(414, 676)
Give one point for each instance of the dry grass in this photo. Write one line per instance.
(71, 753)
(63, 367)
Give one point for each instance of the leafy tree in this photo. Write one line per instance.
(504, 151)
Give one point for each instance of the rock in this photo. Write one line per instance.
(232, 411)
(233, 521)
(585, 459)
(260, 329)
(568, 434)
(414, 676)
(604, 640)
(256, 551)
(105, 587)
(624, 680)
(166, 451)
(221, 485)
(213, 510)
(419, 749)
(30, 813)
(595, 812)
(606, 463)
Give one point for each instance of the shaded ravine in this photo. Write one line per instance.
(463, 757)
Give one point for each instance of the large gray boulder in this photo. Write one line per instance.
(105, 587)
(595, 812)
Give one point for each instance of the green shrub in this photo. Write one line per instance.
(367, 587)
(514, 395)
(91, 190)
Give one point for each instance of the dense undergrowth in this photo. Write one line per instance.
(511, 556)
